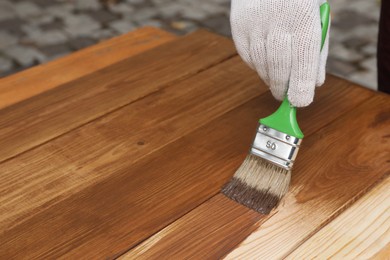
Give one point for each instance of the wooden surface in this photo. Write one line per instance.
(127, 160)
(66, 107)
(359, 232)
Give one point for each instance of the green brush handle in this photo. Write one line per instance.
(284, 119)
(324, 12)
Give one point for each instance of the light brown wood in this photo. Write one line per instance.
(360, 232)
(53, 113)
(292, 221)
(23, 85)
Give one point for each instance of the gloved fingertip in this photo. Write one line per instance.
(302, 94)
(322, 69)
(247, 59)
(278, 89)
(320, 79)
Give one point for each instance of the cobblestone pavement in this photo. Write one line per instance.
(37, 31)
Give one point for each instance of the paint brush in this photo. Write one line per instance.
(264, 177)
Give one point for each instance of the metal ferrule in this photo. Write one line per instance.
(276, 147)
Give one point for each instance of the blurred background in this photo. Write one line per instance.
(37, 31)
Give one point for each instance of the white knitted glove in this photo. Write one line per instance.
(281, 40)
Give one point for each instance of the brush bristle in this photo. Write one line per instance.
(258, 184)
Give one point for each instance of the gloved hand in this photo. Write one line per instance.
(281, 40)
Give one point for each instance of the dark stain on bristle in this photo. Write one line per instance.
(259, 200)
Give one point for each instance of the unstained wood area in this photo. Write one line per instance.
(124, 157)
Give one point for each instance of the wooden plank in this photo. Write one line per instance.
(317, 194)
(36, 80)
(104, 152)
(53, 113)
(360, 232)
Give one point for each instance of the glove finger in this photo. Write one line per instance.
(323, 58)
(240, 37)
(304, 69)
(279, 63)
(259, 58)
(242, 47)
(245, 56)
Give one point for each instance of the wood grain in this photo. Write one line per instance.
(53, 113)
(155, 164)
(106, 149)
(360, 232)
(39, 182)
(171, 243)
(23, 85)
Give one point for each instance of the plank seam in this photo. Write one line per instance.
(116, 256)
